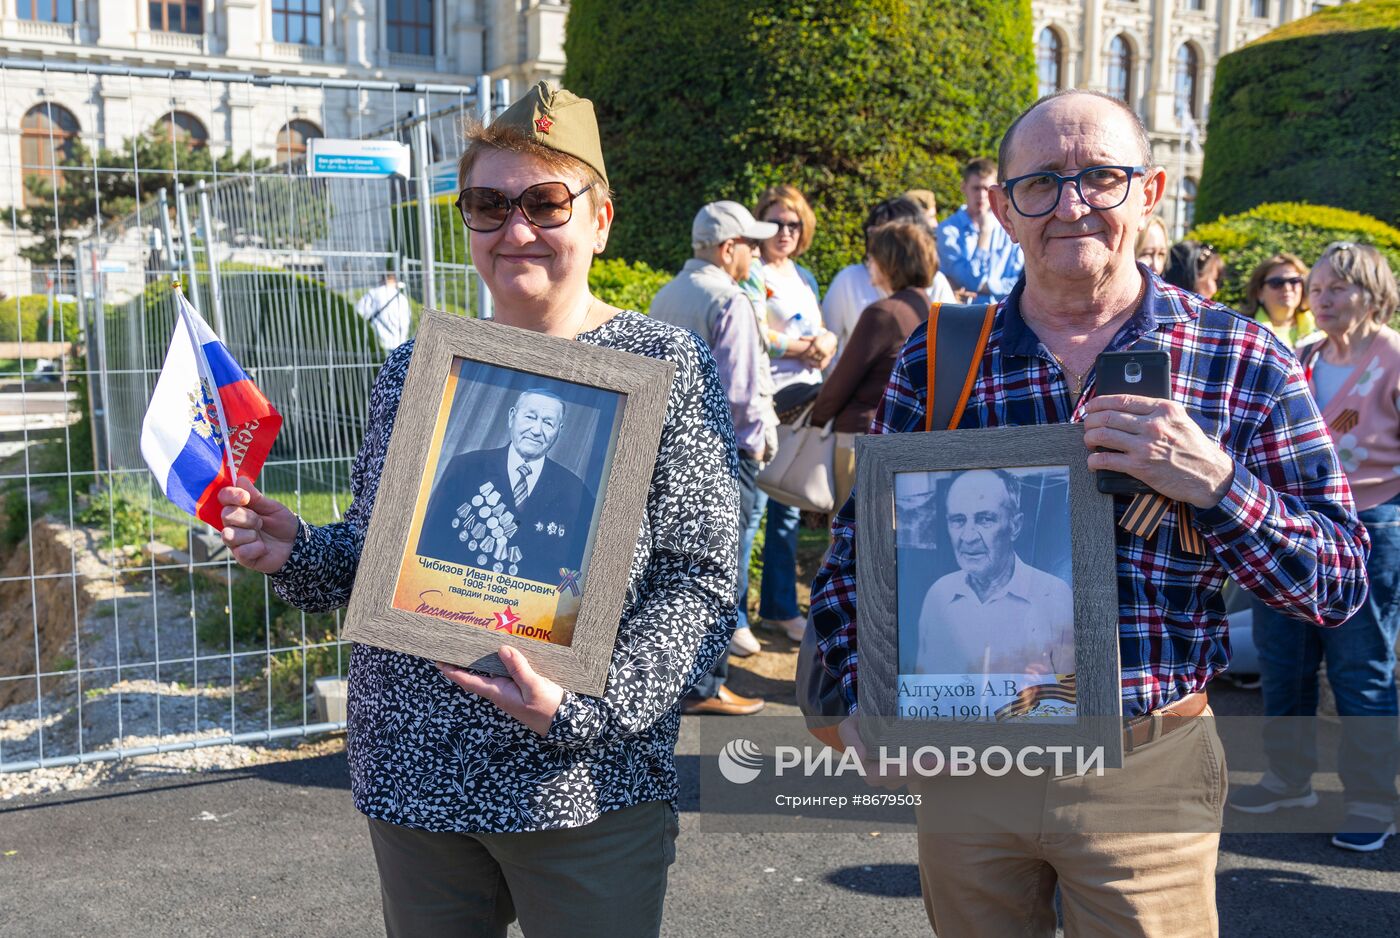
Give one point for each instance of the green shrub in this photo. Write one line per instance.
(1310, 111)
(118, 510)
(624, 285)
(1246, 239)
(851, 102)
(25, 319)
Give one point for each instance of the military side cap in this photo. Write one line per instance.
(560, 120)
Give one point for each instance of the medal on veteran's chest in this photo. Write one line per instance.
(486, 526)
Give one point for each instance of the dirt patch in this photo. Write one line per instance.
(42, 599)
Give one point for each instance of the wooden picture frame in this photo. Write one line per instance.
(945, 505)
(460, 555)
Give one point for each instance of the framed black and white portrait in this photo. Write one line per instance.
(512, 492)
(986, 587)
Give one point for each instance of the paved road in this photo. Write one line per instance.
(278, 850)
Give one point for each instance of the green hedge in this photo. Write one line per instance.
(1310, 111)
(624, 285)
(1246, 239)
(852, 102)
(24, 319)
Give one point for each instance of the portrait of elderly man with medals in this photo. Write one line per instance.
(512, 509)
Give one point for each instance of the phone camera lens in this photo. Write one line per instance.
(1132, 372)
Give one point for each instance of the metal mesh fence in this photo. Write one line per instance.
(124, 626)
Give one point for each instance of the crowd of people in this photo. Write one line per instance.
(492, 798)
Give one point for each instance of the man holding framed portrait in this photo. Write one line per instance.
(1246, 483)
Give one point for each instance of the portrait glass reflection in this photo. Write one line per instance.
(509, 502)
(986, 601)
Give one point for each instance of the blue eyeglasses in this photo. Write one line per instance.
(1099, 187)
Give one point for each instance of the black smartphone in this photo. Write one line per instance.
(1146, 374)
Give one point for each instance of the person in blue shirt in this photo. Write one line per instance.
(974, 251)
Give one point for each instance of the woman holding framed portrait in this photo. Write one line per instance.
(496, 797)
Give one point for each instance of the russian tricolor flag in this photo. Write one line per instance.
(200, 391)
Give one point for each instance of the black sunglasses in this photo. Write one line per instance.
(793, 226)
(1278, 283)
(544, 205)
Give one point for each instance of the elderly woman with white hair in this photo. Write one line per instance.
(1353, 367)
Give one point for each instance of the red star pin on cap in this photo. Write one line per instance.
(542, 124)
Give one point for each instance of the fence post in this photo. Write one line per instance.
(182, 216)
(502, 95)
(484, 308)
(101, 450)
(423, 144)
(167, 250)
(206, 224)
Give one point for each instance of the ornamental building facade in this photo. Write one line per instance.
(1157, 55)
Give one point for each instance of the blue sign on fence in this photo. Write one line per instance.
(378, 159)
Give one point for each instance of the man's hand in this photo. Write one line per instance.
(258, 530)
(529, 697)
(849, 731)
(1156, 442)
(965, 296)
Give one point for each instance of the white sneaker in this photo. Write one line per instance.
(743, 643)
(793, 628)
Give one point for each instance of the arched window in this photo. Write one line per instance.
(177, 16)
(1261, 9)
(1120, 69)
(182, 126)
(48, 136)
(1049, 60)
(297, 21)
(46, 11)
(291, 139)
(410, 25)
(1188, 77)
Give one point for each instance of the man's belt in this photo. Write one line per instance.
(1139, 731)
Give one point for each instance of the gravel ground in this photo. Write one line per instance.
(138, 683)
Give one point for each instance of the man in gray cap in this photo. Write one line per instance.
(705, 297)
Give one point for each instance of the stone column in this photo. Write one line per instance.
(1161, 90)
(1092, 75)
(467, 52)
(357, 31)
(118, 23)
(243, 28)
(1229, 25)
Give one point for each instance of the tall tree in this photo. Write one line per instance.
(1310, 113)
(109, 184)
(851, 102)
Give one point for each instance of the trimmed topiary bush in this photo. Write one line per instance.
(851, 102)
(1310, 111)
(1246, 239)
(624, 285)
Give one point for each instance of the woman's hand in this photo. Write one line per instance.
(258, 530)
(529, 697)
(820, 351)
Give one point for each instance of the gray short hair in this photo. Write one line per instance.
(1363, 266)
(1143, 142)
(1008, 481)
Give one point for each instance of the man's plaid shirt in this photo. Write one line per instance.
(1286, 530)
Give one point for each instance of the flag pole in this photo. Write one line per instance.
(206, 374)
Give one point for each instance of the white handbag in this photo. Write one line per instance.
(801, 473)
